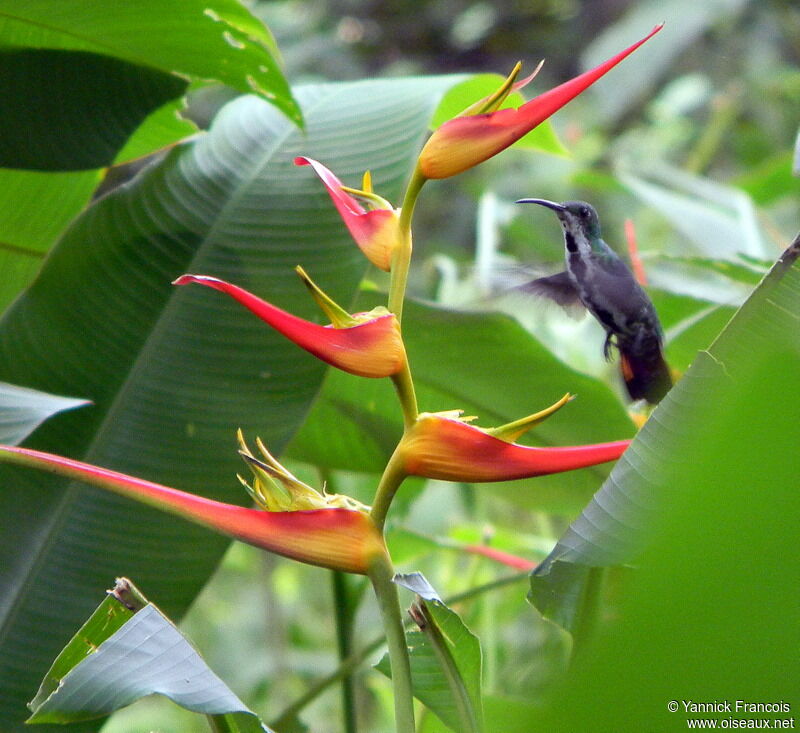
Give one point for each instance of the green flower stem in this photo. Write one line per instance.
(381, 574)
(393, 476)
(355, 660)
(401, 259)
(401, 262)
(404, 386)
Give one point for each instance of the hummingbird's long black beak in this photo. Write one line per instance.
(542, 202)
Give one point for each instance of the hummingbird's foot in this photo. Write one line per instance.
(607, 346)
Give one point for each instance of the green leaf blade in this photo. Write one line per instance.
(433, 681)
(131, 654)
(635, 502)
(201, 40)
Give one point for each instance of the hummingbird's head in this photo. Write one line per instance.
(577, 217)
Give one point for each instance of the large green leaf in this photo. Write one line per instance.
(173, 372)
(486, 364)
(197, 39)
(661, 465)
(711, 612)
(26, 235)
(126, 650)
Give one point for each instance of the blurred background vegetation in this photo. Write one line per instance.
(692, 140)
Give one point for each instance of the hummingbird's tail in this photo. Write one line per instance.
(646, 374)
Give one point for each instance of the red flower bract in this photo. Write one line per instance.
(375, 231)
(340, 539)
(449, 449)
(372, 348)
(465, 141)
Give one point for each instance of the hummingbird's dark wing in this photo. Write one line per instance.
(559, 289)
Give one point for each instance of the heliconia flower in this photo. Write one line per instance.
(365, 344)
(374, 229)
(335, 538)
(444, 446)
(471, 138)
(276, 489)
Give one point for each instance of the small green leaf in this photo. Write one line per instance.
(22, 410)
(543, 139)
(126, 650)
(445, 667)
(118, 607)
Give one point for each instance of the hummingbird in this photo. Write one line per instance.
(597, 279)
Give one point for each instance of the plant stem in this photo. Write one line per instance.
(401, 262)
(725, 109)
(401, 259)
(392, 477)
(357, 658)
(343, 614)
(381, 575)
(405, 391)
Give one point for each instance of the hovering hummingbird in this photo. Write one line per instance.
(600, 281)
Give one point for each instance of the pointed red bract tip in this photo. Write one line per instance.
(372, 348)
(448, 449)
(466, 141)
(339, 539)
